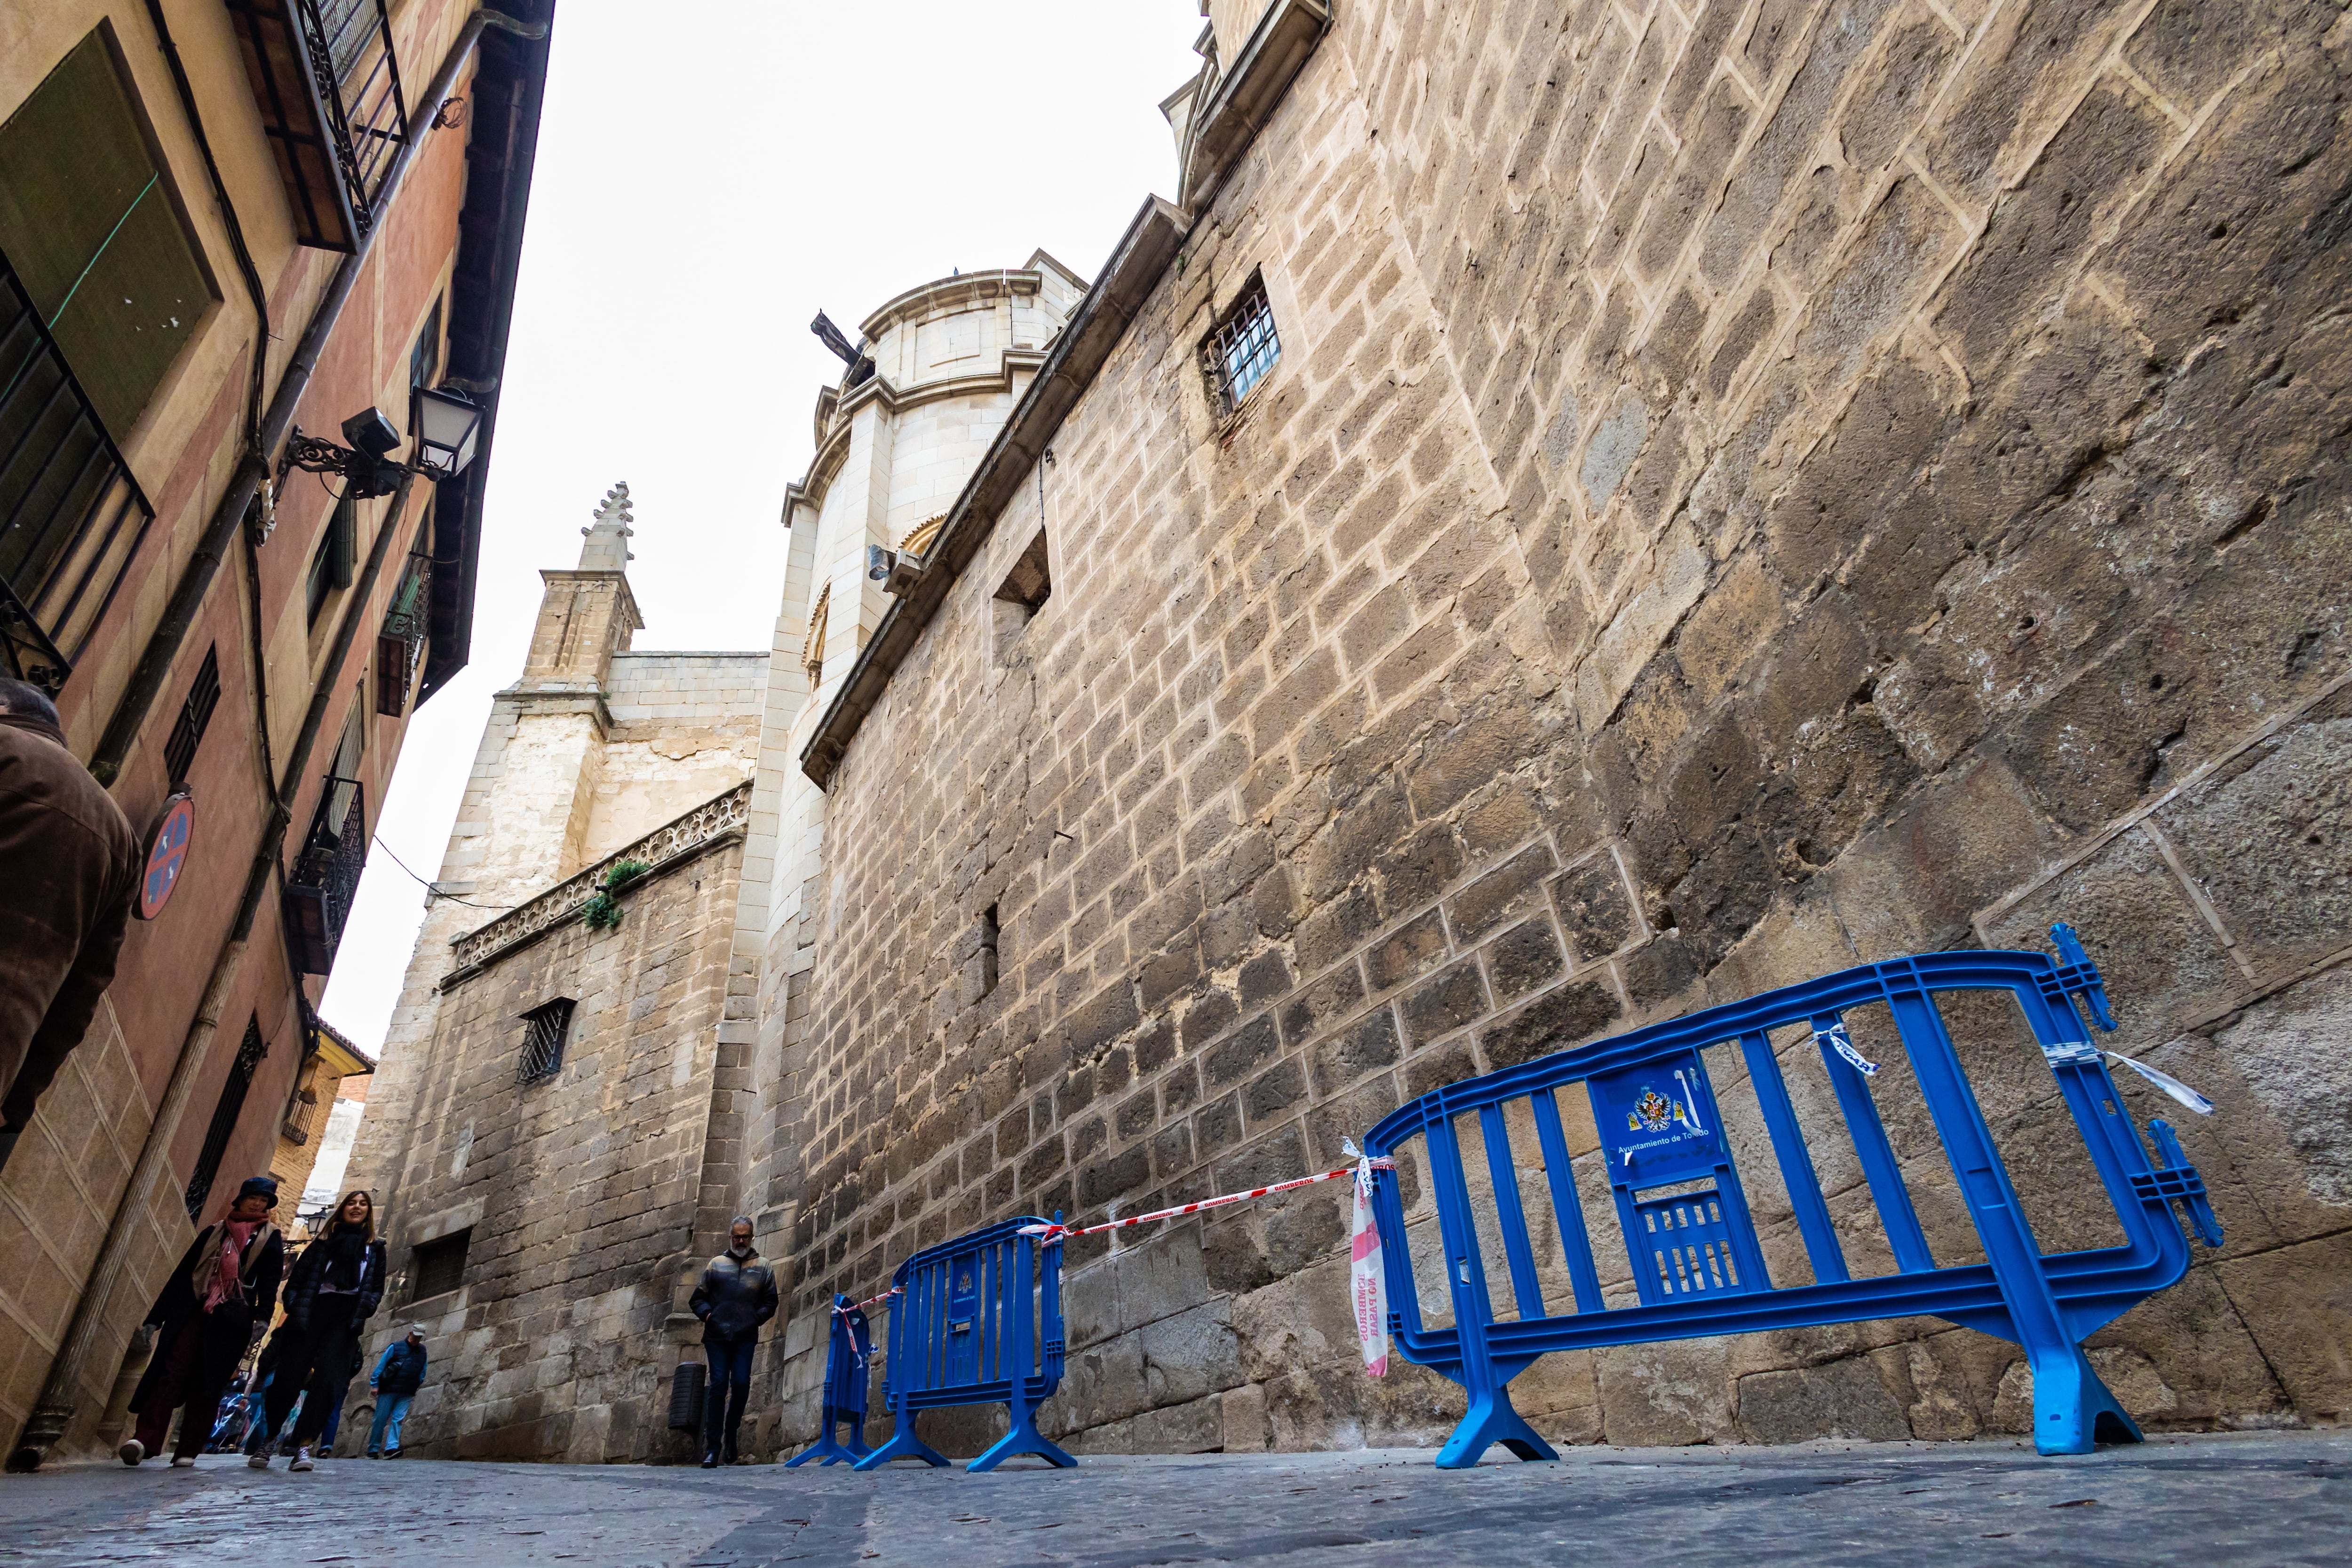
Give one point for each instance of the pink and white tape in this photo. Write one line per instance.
(1368, 1286)
(1062, 1232)
(869, 1301)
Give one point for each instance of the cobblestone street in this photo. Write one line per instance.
(2268, 1499)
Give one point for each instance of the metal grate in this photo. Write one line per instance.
(196, 713)
(1242, 349)
(543, 1042)
(437, 1267)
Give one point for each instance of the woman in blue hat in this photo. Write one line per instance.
(204, 1323)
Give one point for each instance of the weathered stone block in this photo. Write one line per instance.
(1842, 1399)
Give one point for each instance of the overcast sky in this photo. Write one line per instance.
(709, 176)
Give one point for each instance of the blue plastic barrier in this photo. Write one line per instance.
(977, 1320)
(1697, 1267)
(846, 1354)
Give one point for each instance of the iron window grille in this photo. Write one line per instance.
(225, 1117)
(437, 1267)
(326, 79)
(1241, 349)
(71, 517)
(301, 1117)
(546, 1027)
(195, 714)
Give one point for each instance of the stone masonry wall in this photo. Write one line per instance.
(685, 726)
(1747, 488)
(582, 1192)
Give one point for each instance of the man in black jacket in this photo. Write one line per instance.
(738, 1294)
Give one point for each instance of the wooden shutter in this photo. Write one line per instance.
(89, 224)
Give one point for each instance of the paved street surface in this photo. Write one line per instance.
(2266, 1498)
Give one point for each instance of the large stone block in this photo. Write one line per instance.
(1842, 1400)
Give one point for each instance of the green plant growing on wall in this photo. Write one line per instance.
(603, 911)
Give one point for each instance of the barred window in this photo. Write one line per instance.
(437, 1267)
(1241, 349)
(196, 713)
(545, 1030)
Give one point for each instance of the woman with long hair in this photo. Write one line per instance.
(331, 1292)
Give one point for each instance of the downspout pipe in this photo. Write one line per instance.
(253, 471)
(54, 1410)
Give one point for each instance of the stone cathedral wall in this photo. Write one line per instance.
(583, 1194)
(1748, 487)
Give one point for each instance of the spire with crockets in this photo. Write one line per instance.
(608, 536)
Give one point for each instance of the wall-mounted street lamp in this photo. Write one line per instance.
(447, 425)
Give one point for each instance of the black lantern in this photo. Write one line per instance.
(448, 422)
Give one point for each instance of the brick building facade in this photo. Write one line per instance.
(223, 229)
(1744, 488)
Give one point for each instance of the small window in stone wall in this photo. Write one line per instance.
(1021, 595)
(437, 1267)
(1241, 349)
(544, 1030)
(984, 960)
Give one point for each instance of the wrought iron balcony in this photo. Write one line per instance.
(326, 879)
(70, 513)
(400, 646)
(327, 80)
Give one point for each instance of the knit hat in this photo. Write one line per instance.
(261, 1187)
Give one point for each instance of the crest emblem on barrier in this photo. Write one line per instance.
(1653, 1113)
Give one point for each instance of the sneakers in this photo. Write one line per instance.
(301, 1459)
(257, 1461)
(727, 1452)
(183, 1462)
(373, 1455)
(710, 1458)
(132, 1452)
(391, 1453)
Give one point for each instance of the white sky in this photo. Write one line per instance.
(709, 177)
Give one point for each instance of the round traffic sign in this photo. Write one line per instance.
(167, 851)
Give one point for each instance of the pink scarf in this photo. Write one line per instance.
(225, 1285)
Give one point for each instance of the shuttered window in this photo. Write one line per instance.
(226, 1113)
(90, 227)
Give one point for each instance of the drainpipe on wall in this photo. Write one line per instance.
(54, 1410)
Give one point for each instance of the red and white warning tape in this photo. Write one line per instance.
(1060, 1233)
(1366, 1285)
(868, 1301)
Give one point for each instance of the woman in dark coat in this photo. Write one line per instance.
(204, 1324)
(331, 1292)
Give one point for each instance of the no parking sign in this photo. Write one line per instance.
(167, 851)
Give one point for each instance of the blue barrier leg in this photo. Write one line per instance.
(903, 1444)
(828, 1449)
(1024, 1439)
(855, 1443)
(2072, 1411)
(1491, 1420)
(2072, 1408)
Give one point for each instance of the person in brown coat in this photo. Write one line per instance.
(69, 865)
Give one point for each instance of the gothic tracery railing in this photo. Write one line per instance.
(674, 840)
